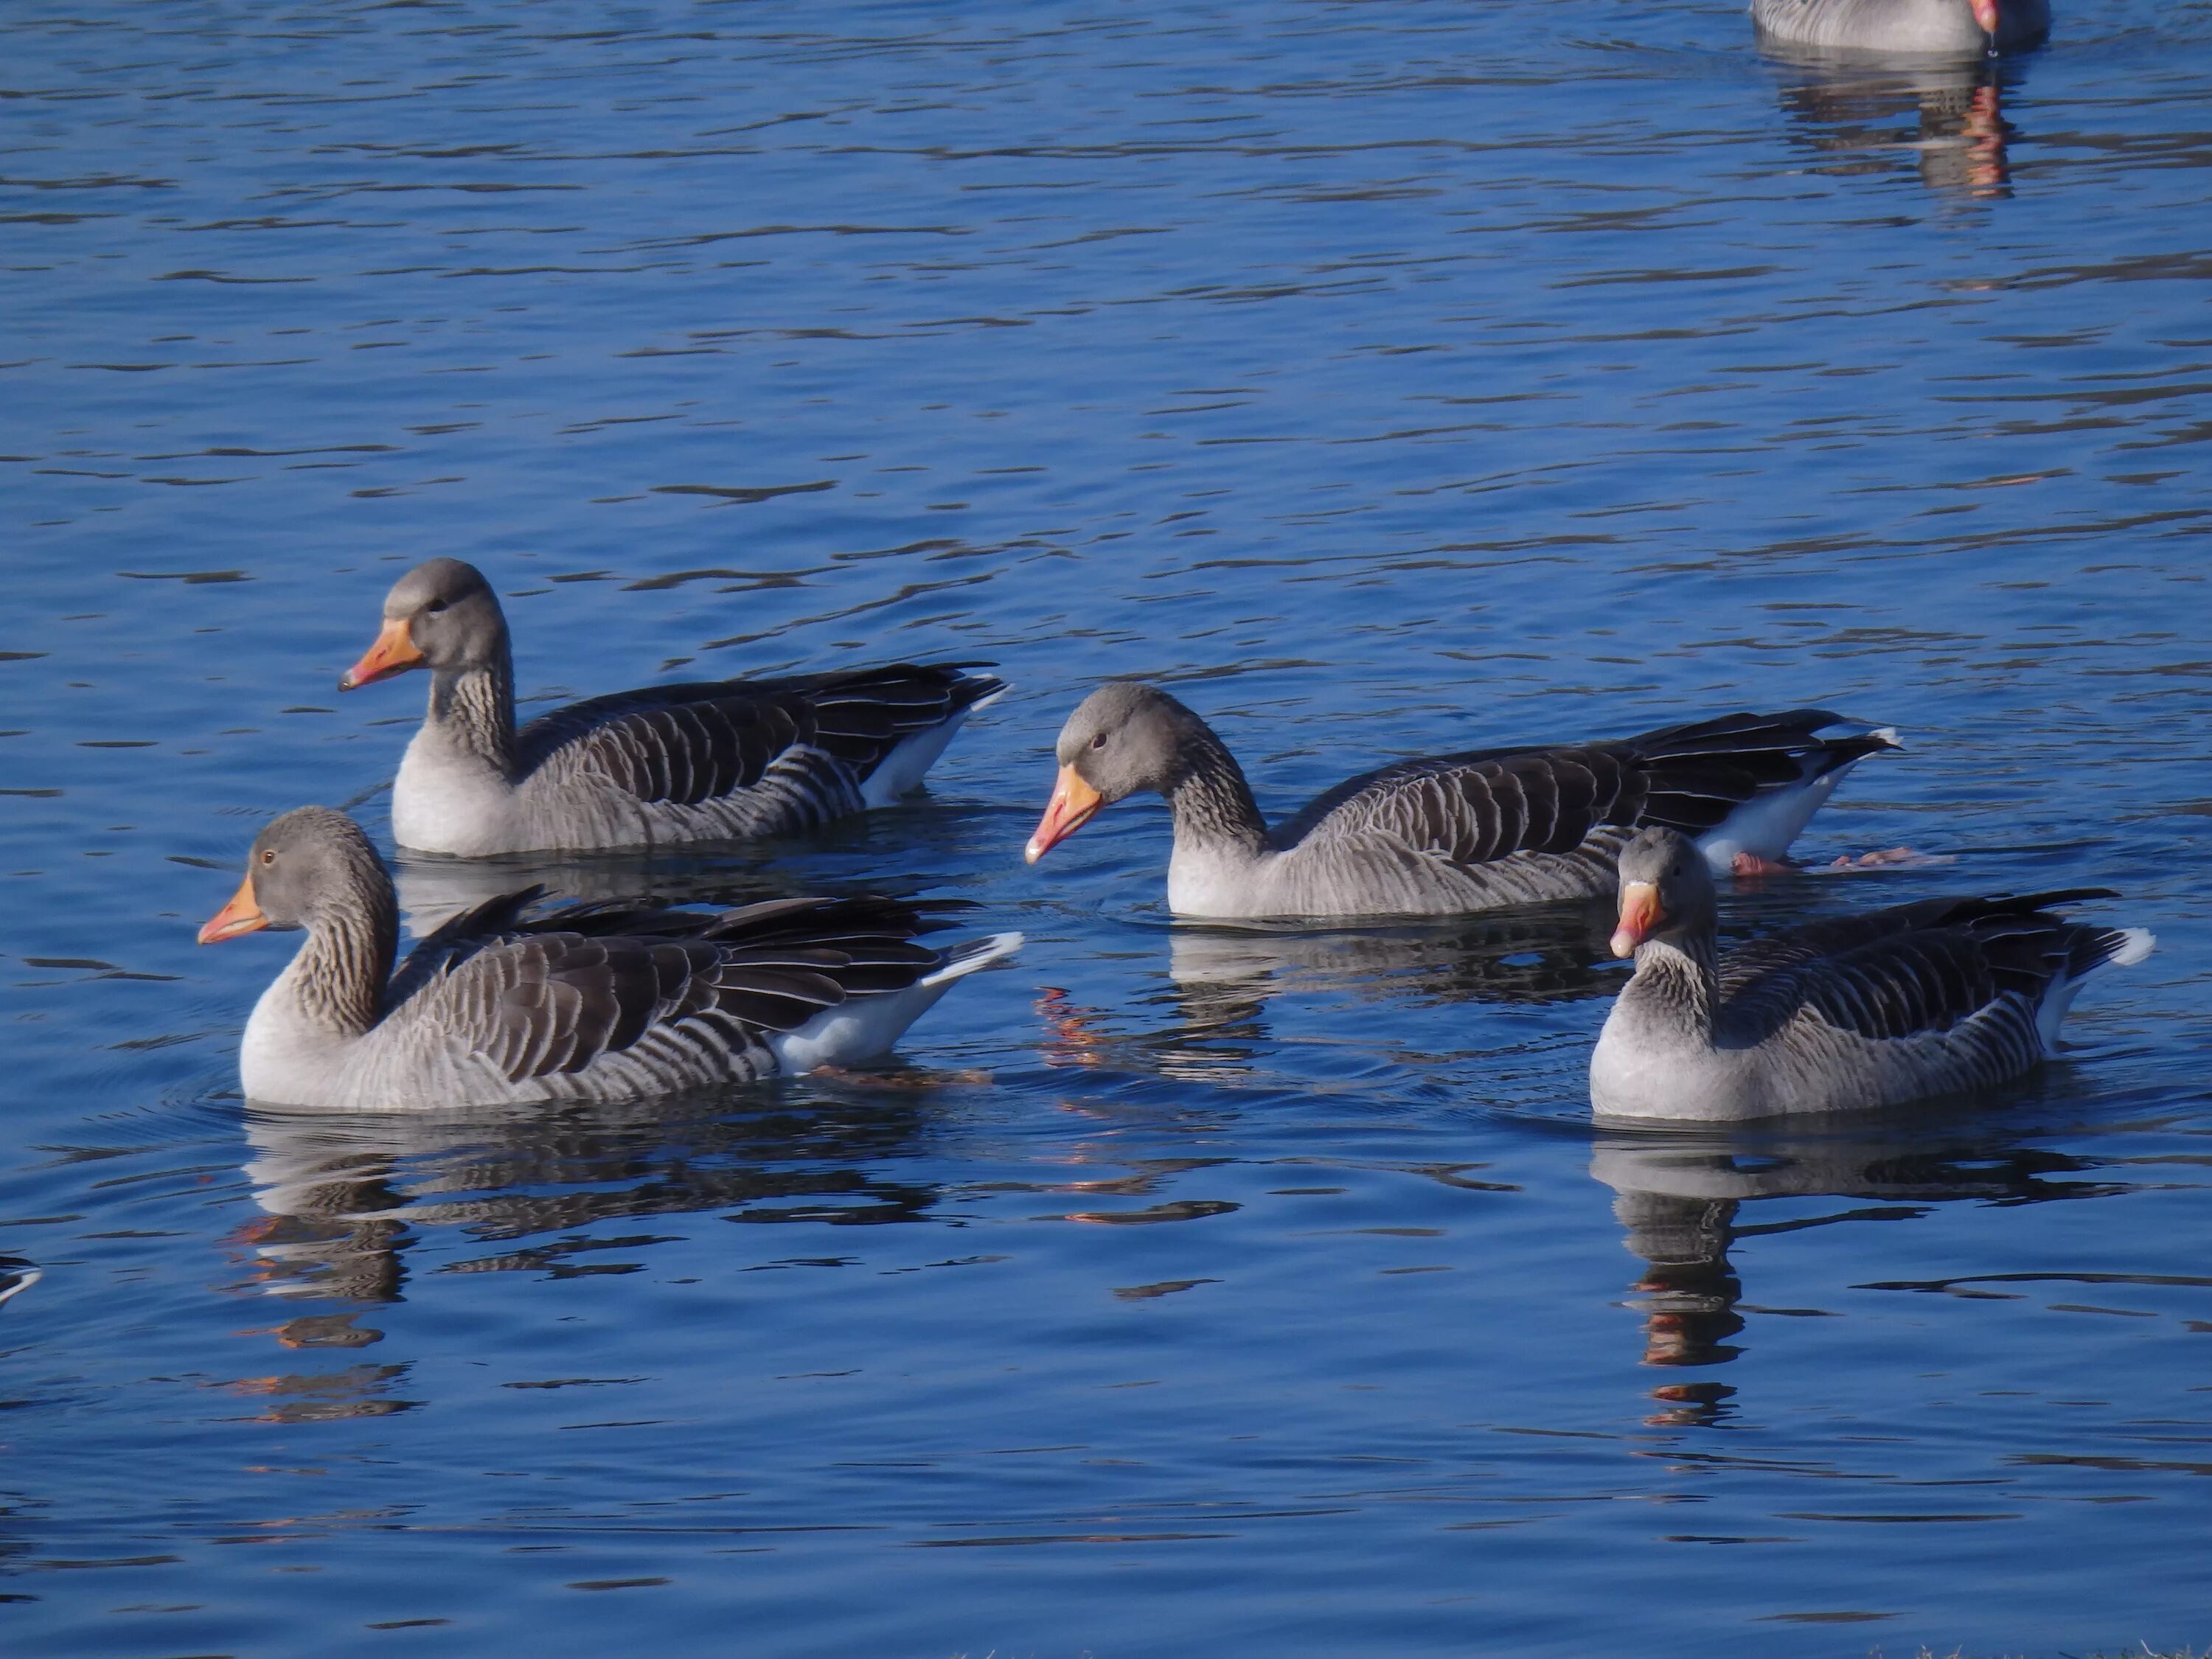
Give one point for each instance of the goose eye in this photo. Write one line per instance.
(436, 606)
(1098, 742)
(269, 855)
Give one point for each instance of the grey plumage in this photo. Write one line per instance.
(699, 761)
(1452, 833)
(591, 1002)
(1932, 27)
(1870, 1010)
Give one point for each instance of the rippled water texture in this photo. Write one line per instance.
(1393, 378)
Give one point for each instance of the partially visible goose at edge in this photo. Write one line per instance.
(703, 761)
(1854, 1012)
(596, 1002)
(1930, 28)
(1451, 833)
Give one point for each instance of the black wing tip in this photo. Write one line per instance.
(2049, 901)
(814, 912)
(969, 690)
(1749, 730)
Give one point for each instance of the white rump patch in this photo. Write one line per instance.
(865, 1027)
(900, 772)
(2136, 944)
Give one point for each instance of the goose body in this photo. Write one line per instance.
(593, 1002)
(703, 761)
(1454, 833)
(1947, 28)
(1853, 1013)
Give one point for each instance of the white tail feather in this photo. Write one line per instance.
(975, 954)
(2141, 942)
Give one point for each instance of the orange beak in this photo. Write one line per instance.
(1639, 914)
(394, 653)
(1985, 16)
(241, 915)
(1073, 804)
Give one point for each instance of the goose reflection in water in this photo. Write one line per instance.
(883, 856)
(346, 1197)
(1681, 1199)
(433, 892)
(1223, 978)
(1944, 118)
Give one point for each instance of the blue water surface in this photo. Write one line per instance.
(1390, 377)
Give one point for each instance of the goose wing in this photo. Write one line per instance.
(701, 740)
(1695, 776)
(1913, 968)
(459, 937)
(1487, 804)
(1479, 807)
(555, 995)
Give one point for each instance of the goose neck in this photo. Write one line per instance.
(1676, 986)
(1211, 803)
(338, 979)
(473, 710)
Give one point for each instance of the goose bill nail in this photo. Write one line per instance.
(241, 915)
(1985, 16)
(1073, 803)
(394, 653)
(1639, 914)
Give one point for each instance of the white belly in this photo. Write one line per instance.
(443, 802)
(1205, 881)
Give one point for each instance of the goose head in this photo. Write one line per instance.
(441, 615)
(303, 863)
(1124, 739)
(1666, 890)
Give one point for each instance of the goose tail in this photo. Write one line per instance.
(972, 957)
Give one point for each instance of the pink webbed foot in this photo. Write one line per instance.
(1750, 864)
(1894, 858)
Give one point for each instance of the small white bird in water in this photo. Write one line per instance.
(1851, 1011)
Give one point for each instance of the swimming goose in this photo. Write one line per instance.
(1948, 27)
(705, 761)
(1454, 833)
(1863, 1011)
(594, 1002)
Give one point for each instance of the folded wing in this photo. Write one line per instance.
(1916, 968)
(558, 993)
(699, 741)
(1486, 804)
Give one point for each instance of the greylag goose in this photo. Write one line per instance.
(1450, 833)
(594, 1002)
(706, 760)
(1853, 1011)
(1948, 27)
